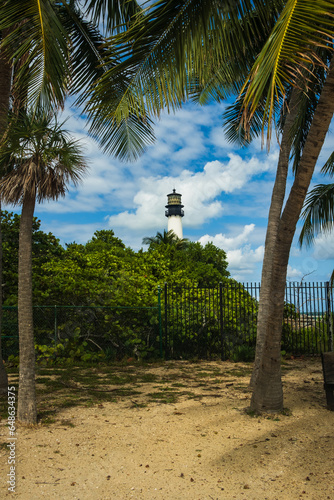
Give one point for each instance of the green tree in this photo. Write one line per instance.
(48, 49)
(276, 55)
(106, 279)
(44, 247)
(207, 265)
(40, 160)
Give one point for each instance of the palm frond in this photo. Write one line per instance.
(171, 52)
(38, 40)
(318, 213)
(234, 130)
(229, 76)
(302, 28)
(113, 14)
(86, 48)
(306, 102)
(126, 140)
(328, 168)
(175, 42)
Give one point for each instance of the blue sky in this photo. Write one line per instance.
(225, 190)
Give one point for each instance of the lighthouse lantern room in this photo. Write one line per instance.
(175, 213)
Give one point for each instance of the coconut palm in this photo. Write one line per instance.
(40, 160)
(276, 56)
(52, 48)
(49, 49)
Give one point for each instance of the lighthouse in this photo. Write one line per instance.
(175, 213)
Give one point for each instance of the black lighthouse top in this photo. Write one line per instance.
(174, 206)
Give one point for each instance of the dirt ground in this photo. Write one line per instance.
(182, 434)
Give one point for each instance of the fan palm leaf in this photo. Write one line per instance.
(38, 157)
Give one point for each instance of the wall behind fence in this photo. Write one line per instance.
(185, 322)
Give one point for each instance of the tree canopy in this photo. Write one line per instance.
(104, 271)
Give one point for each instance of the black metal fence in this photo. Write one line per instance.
(221, 321)
(185, 322)
(116, 331)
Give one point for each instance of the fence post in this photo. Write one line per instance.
(56, 326)
(329, 316)
(160, 323)
(166, 322)
(221, 320)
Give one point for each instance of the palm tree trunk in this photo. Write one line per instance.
(268, 394)
(3, 373)
(275, 211)
(5, 85)
(26, 411)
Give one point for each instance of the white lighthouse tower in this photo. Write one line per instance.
(175, 213)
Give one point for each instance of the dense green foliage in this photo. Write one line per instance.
(100, 301)
(104, 272)
(98, 282)
(45, 246)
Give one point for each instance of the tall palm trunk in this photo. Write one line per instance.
(5, 85)
(3, 373)
(267, 393)
(26, 411)
(275, 211)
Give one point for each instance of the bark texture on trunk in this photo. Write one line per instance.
(5, 86)
(275, 212)
(3, 373)
(267, 388)
(26, 410)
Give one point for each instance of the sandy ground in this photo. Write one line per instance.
(198, 448)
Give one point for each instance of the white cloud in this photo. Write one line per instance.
(228, 243)
(293, 273)
(324, 246)
(199, 190)
(68, 233)
(242, 261)
(241, 257)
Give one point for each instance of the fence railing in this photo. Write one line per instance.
(185, 322)
(222, 321)
(115, 330)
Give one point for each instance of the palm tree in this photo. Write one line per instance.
(318, 213)
(276, 56)
(52, 48)
(40, 160)
(168, 239)
(49, 49)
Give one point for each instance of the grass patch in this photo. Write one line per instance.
(67, 423)
(166, 396)
(146, 378)
(85, 385)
